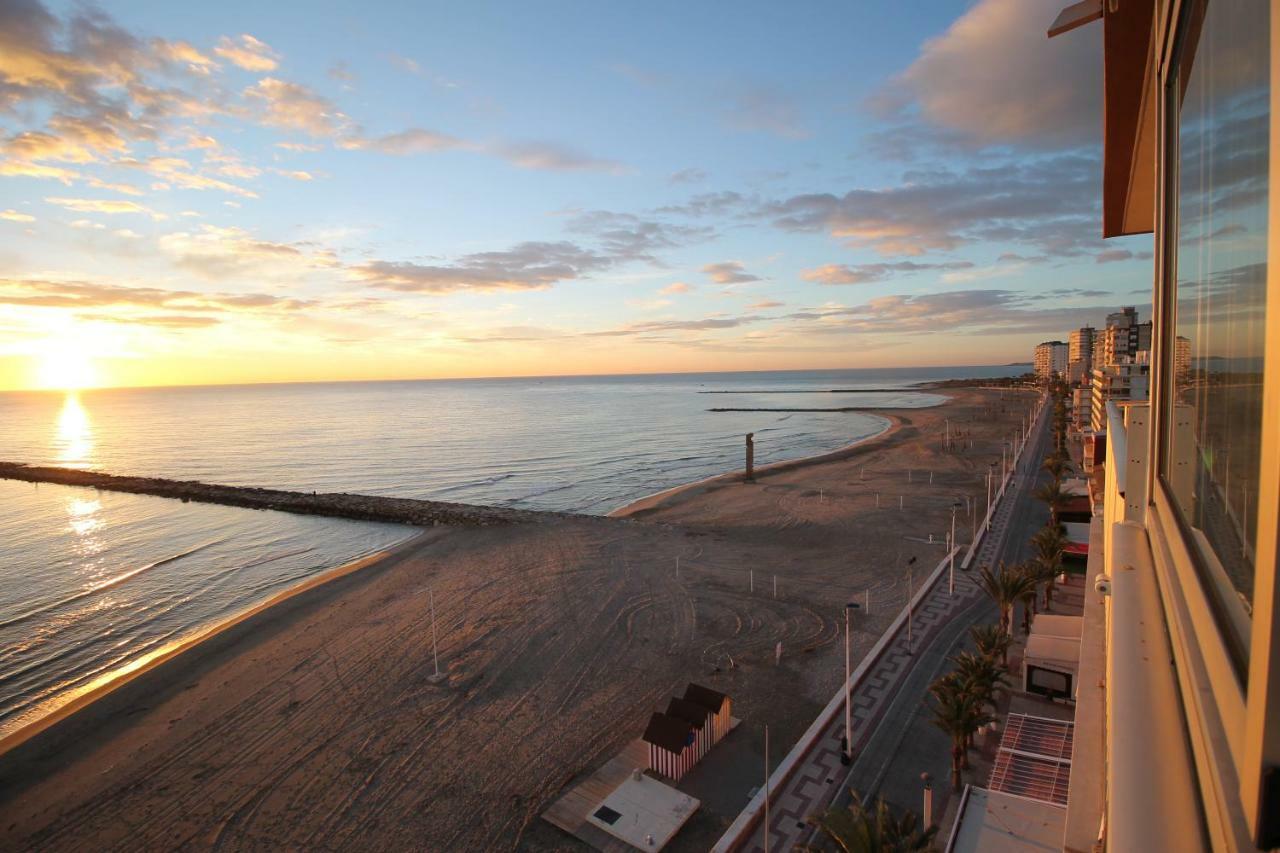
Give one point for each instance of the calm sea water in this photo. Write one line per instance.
(90, 582)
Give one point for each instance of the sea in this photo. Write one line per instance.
(92, 583)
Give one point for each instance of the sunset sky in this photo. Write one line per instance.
(246, 192)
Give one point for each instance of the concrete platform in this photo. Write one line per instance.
(643, 812)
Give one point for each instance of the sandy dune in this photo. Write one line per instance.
(313, 725)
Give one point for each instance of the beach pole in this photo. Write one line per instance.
(766, 788)
(931, 478)
(899, 502)
(751, 579)
(677, 567)
(910, 584)
(951, 547)
(867, 598)
(775, 586)
(877, 500)
(435, 652)
(847, 758)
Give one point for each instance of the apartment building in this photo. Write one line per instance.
(1050, 360)
(1080, 355)
(1176, 742)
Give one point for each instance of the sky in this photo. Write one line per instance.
(263, 192)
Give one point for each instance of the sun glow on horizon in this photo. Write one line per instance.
(65, 364)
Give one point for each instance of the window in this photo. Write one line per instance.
(1215, 361)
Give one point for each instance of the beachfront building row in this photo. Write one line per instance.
(1176, 738)
(1050, 360)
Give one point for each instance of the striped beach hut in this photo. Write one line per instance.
(673, 745)
(714, 701)
(698, 717)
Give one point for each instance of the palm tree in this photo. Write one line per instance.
(1030, 590)
(1054, 497)
(1056, 464)
(959, 714)
(1050, 543)
(855, 828)
(979, 675)
(1005, 587)
(991, 642)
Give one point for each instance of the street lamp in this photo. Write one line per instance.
(951, 571)
(846, 753)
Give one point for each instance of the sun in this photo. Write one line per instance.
(65, 366)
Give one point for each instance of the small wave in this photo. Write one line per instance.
(107, 584)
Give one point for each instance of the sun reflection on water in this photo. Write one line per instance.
(73, 436)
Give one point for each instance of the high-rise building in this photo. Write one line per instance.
(1080, 355)
(1051, 360)
(1121, 339)
(1181, 359)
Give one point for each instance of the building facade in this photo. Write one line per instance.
(1080, 355)
(1177, 738)
(1050, 360)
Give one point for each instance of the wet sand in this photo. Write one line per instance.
(314, 724)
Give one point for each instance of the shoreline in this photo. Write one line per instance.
(657, 499)
(107, 683)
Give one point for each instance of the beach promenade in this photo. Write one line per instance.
(890, 688)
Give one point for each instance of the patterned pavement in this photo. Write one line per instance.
(821, 776)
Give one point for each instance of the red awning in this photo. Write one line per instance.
(1077, 549)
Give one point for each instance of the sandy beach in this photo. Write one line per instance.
(312, 724)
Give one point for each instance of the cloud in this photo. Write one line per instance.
(415, 140)
(868, 273)
(674, 288)
(525, 266)
(247, 52)
(164, 321)
(14, 216)
(687, 176)
(995, 79)
(1051, 202)
(660, 326)
(297, 146)
(186, 54)
(218, 253)
(111, 205)
(176, 172)
(764, 304)
(729, 272)
(1112, 255)
(553, 157)
(84, 295)
(295, 107)
(296, 174)
(626, 236)
(764, 110)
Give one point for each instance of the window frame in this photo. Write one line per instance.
(1230, 688)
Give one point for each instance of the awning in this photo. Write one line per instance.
(1128, 112)
(1076, 549)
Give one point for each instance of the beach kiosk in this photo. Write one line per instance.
(673, 745)
(717, 703)
(1051, 660)
(698, 717)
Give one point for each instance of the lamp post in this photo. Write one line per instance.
(928, 799)
(991, 470)
(846, 756)
(951, 570)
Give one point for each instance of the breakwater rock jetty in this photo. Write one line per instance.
(420, 513)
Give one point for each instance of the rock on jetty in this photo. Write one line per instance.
(338, 504)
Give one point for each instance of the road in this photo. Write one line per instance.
(905, 742)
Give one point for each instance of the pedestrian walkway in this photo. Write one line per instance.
(900, 675)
